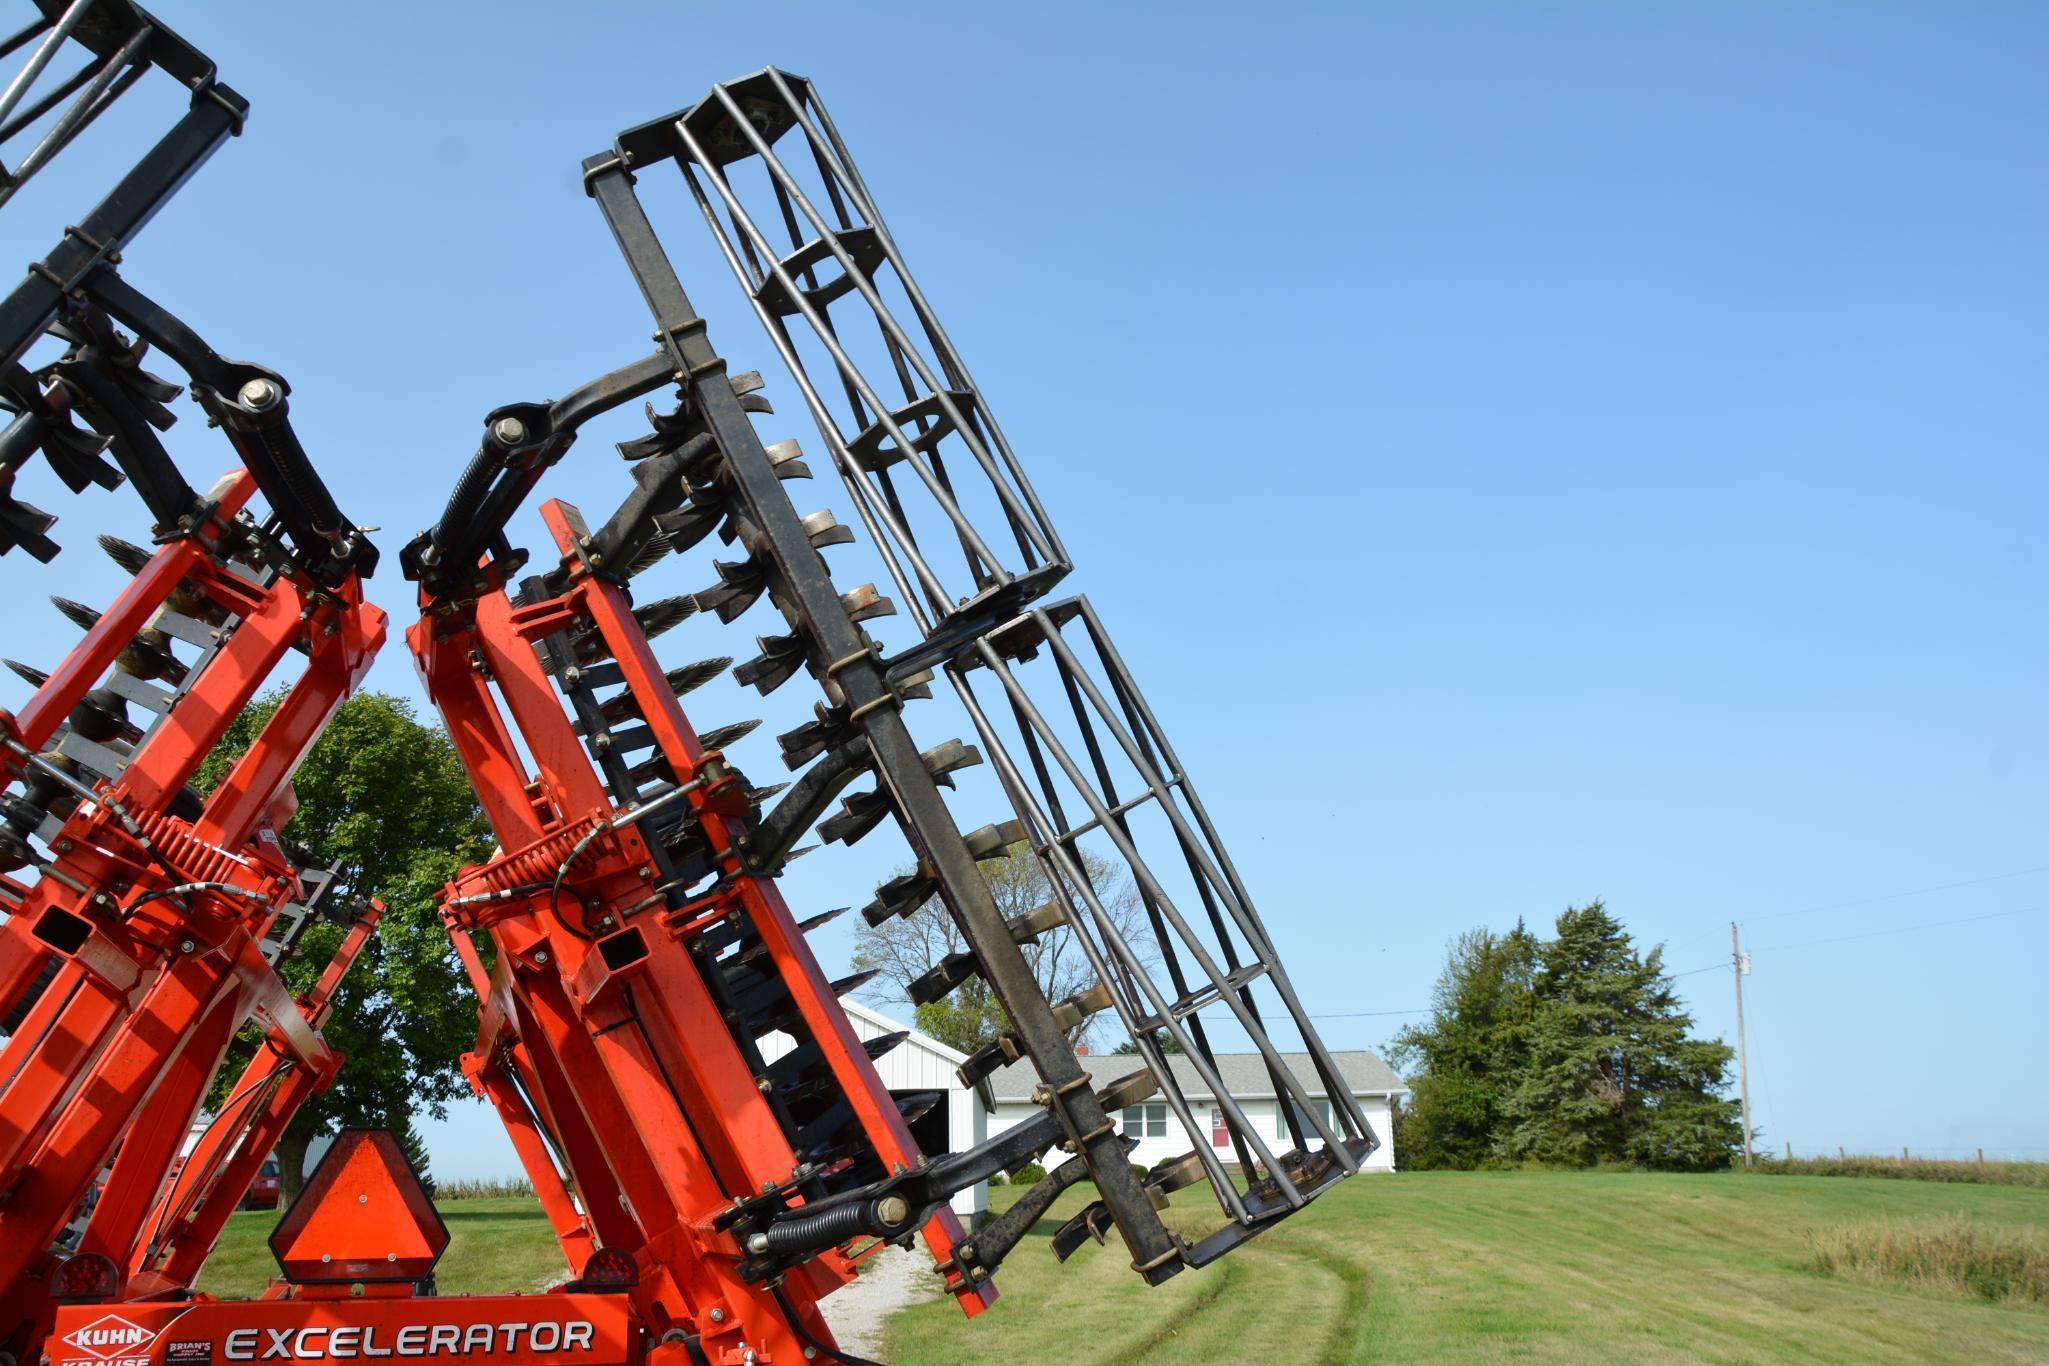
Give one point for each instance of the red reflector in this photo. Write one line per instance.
(88, 1276)
(610, 1268)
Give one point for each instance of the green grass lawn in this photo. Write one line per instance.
(1419, 1266)
(1453, 1266)
(493, 1245)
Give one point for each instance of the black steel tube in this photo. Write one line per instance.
(855, 680)
(32, 306)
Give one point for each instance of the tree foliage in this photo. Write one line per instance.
(1570, 1051)
(384, 800)
(902, 950)
(1467, 1058)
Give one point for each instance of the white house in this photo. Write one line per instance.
(920, 1064)
(1373, 1086)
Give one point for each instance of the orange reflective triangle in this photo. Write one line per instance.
(363, 1216)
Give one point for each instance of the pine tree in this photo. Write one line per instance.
(415, 1148)
(1612, 1074)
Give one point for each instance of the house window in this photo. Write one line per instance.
(1145, 1121)
(1320, 1106)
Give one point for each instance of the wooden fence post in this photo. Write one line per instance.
(1906, 1156)
(1981, 1159)
(1789, 1150)
(1841, 1156)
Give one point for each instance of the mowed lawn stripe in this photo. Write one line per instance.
(1415, 1267)
(1620, 1265)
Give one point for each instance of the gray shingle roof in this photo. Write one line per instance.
(1244, 1075)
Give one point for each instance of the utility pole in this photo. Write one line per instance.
(1740, 961)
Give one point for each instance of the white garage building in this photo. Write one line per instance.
(920, 1064)
(1373, 1085)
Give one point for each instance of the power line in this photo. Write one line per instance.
(1897, 896)
(1928, 925)
(1365, 1014)
(1803, 944)
(1872, 934)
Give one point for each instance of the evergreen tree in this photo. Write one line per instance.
(1571, 1051)
(1612, 1074)
(415, 1148)
(1472, 1051)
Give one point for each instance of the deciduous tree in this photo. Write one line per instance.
(903, 950)
(384, 800)
(1472, 1051)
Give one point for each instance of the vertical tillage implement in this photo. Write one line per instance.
(631, 943)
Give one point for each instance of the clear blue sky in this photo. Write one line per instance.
(1530, 454)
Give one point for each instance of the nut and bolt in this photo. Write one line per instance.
(892, 1210)
(540, 955)
(186, 946)
(757, 1243)
(717, 1315)
(509, 430)
(261, 394)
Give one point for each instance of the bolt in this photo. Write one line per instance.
(391, 1256)
(362, 1199)
(63, 846)
(718, 1315)
(766, 1086)
(186, 946)
(509, 430)
(541, 956)
(892, 1210)
(327, 1256)
(757, 1243)
(261, 394)
(646, 874)
(810, 1353)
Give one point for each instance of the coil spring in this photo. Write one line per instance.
(200, 861)
(814, 1232)
(535, 863)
